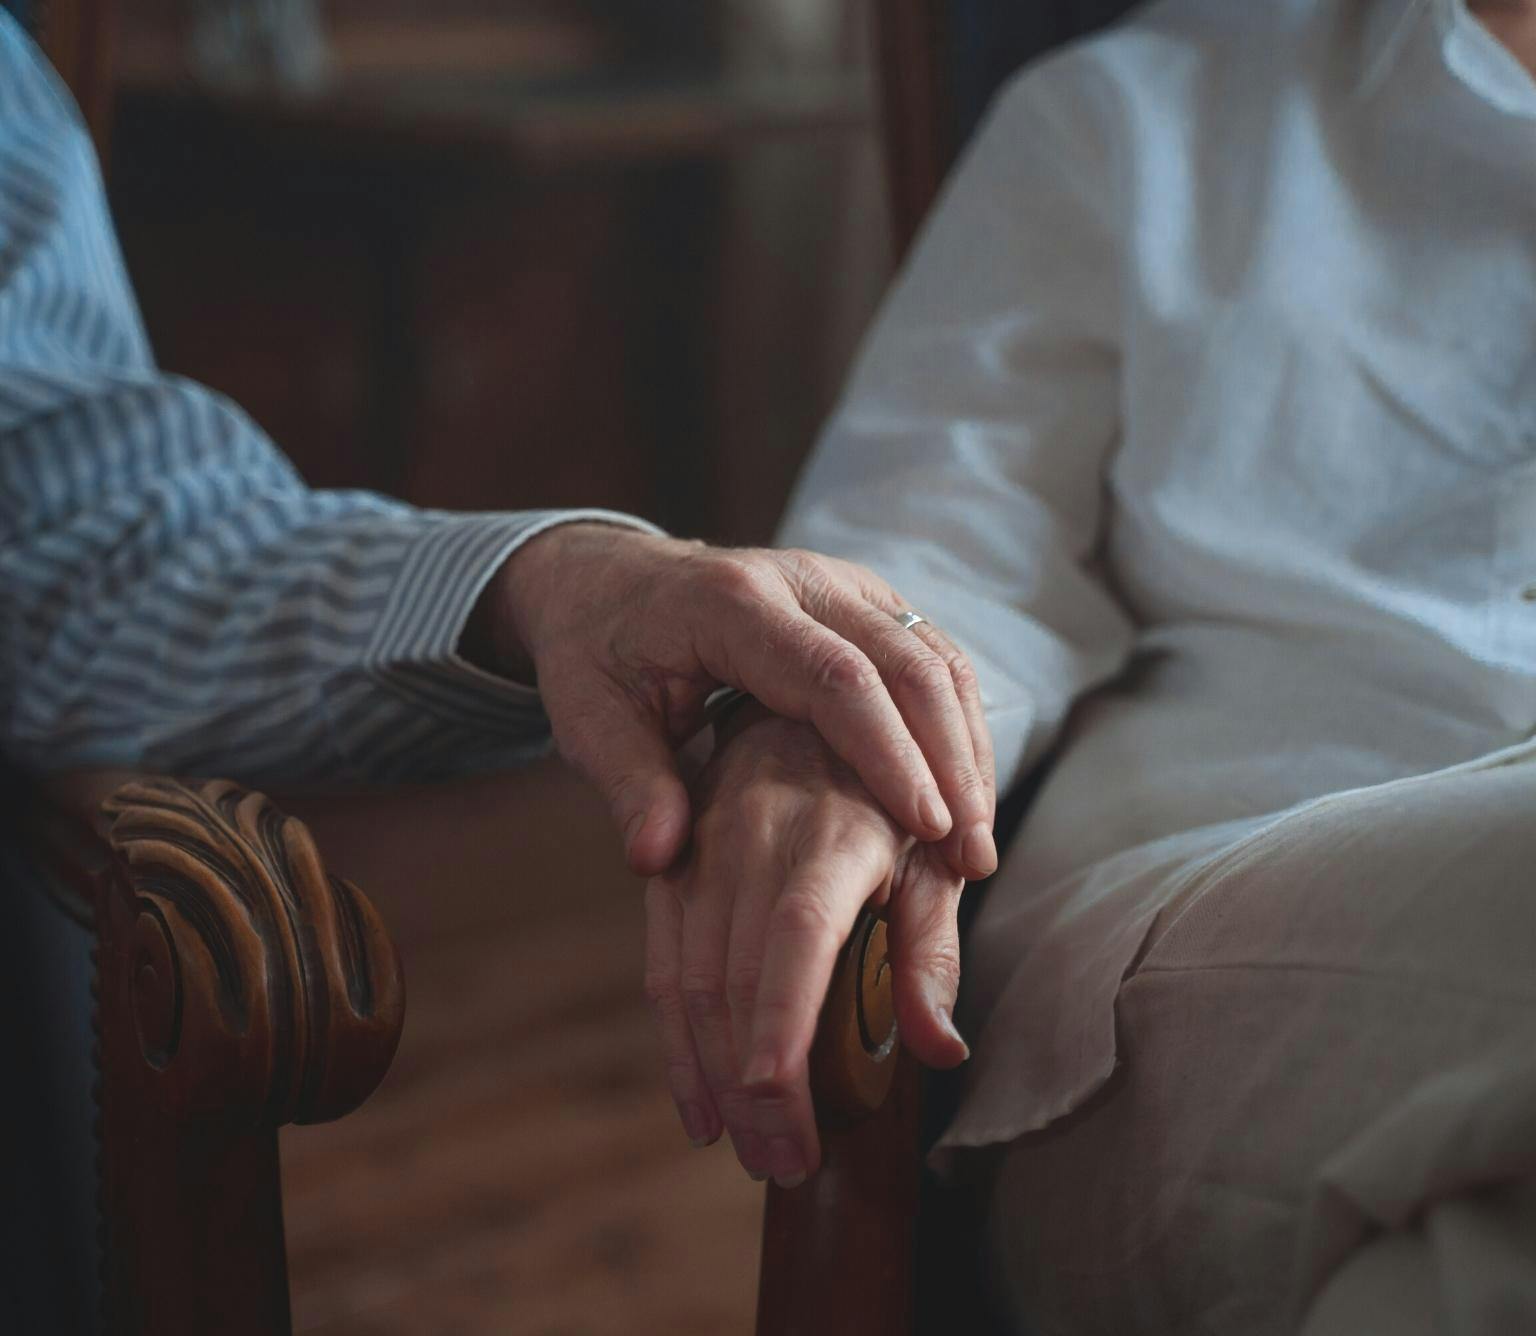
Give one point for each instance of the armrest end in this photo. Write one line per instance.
(260, 985)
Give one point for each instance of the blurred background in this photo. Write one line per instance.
(508, 254)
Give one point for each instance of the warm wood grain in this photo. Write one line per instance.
(837, 1252)
(239, 986)
(262, 988)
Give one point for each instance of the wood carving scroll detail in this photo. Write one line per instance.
(262, 986)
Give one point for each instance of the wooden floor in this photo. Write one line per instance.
(521, 1170)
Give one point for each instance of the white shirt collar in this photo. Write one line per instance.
(1473, 54)
(1483, 62)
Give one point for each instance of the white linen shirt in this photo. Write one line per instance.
(1211, 384)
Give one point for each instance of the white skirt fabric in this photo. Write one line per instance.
(1308, 1100)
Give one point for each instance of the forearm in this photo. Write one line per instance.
(178, 599)
(172, 594)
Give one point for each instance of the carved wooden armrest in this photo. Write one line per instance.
(239, 986)
(838, 1251)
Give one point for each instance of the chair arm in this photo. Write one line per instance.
(838, 1251)
(238, 987)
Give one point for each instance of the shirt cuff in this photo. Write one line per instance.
(414, 650)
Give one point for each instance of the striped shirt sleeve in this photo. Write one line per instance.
(172, 595)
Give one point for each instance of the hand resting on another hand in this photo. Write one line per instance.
(743, 934)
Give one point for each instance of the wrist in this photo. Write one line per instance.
(510, 621)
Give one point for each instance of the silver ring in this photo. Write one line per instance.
(910, 619)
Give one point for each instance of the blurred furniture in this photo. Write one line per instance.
(872, 1245)
(508, 255)
(78, 37)
(234, 986)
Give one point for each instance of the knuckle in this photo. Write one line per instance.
(962, 673)
(811, 569)
(923, 671)
(741, 988)
(738, 577)
(735, 1104)
(972, 791)
(841, 670)
(804, 915)
(661, 991)
(774, 1100)
(702, 991)
(940, 961)
(682, 1071)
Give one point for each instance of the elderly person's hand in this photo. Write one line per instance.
(742, 937)
(629, 633)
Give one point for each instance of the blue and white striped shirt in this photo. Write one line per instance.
(172, 596)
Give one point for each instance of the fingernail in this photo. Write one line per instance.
(935, 815)
(696, 1125)
(788, 1164)
(980, 850)
(947, 1023)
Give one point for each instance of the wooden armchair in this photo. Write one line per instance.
(235, 986)
(181, 977)
(872, 1244)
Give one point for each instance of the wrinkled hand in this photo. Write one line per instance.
(628, 634)
(742, 938)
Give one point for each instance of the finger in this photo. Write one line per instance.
(628, 758)
(781, 1113)
(750, 917)
(663, 961)
(967, 685)
(921, 682)
(810, 921)
(705, 935)
(968, 689)
(810, 673)
(924, 946)
(977, 864)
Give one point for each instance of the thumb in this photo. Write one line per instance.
(924, 947)
(632, 765)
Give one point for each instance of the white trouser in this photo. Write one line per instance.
(1324, 1118)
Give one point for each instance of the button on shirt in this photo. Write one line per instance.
(1207, 405)
(171, 594)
